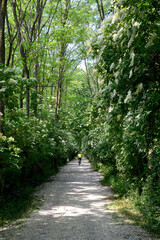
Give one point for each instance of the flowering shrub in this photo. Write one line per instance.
(9, 87)
(37, 148)
(128, 108)
(10, 162)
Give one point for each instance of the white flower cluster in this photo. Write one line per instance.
(132, 38)
(2, 89)
(115, 17)
(116, 74)
(109, 83)
(116, 80)
(10, 139)
(139, 88)
(12, 81)
(118, 34)
(151, 40)
(8, 70)
(128, 97)
(132, 56)
(3, 81)
(110, 109)
(130, 73)
(119, 14)
(113, 94)
(103, 26)
(135, 26)
(112, 66)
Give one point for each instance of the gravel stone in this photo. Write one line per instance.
(74, 209)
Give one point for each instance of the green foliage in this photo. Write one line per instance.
(9, 88)
(112, 178)
(15, 206)
(124, 118)
(45, 49)
(111, 112)
(32, 150)
(10, 163)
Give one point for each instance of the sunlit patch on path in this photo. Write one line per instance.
(74, 208)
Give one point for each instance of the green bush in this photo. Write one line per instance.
(36, 149)
(124, 116)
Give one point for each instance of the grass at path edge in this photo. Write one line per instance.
(123, 205)
(21, 202)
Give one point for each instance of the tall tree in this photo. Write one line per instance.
(63, 47)
(3, 5)
(12, 34)
(28, 23)
(100, 7)
(22, 51)
(39, 10)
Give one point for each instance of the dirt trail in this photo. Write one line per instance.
(74, 209)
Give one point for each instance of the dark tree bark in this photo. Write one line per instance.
(11, 37)
(100, 9)
(88, 77)
(59, 92)
(39, 10)
(23, 55)
(3, 5)
(64, 17)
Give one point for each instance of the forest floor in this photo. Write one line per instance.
(75, 206)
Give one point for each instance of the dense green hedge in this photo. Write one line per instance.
(124, 119)
(30, 149)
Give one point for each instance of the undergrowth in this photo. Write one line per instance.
(14, 207)
(129, 203)
(20, 202)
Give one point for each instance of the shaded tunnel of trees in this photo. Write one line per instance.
(81, 76)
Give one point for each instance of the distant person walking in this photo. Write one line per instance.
(79, 158)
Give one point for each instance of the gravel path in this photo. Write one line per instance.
(74, 209)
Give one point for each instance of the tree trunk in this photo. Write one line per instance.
(11, 41)
(60, 81)
(88, 77)
(23, 55)
(39, 10)
(97, 83)
(21, 93)
(2, 115)
(21, 97)
(100, 9)
(27, 92)
(3, 4)
(27, 100)
(63, 48)
(58, 97)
